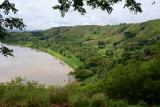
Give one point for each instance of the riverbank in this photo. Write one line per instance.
(34, 65)
(73, 62)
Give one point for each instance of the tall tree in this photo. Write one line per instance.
(8, 22)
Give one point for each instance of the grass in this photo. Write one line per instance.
(72, 62)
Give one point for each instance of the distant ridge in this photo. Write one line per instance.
(16, 30)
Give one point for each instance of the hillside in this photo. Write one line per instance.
(65, 41)
(116, 62)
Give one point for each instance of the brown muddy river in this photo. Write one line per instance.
(34, 65)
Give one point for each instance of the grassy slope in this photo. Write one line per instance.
(72, 62)
(90, 35)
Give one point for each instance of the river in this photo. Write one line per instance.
(34, 65)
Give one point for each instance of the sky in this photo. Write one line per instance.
(39, 15)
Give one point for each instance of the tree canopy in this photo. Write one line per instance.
(105, 5)
(8, 22)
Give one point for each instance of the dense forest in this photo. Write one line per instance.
(115, 66)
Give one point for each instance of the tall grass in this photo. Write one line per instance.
(20, 92)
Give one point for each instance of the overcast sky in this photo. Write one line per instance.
(39, 15)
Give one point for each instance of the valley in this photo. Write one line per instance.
(117, 65)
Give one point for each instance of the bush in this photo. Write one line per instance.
(79, 101)
(22, 92)
(98, 100)
(116, 43)
(120, 103)
(129, 34)
(136, 81)
(83, 73)
(142, 103)
(101, 44)
(58, 95)
(109, 53)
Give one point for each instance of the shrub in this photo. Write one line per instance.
(142, 103)
(129, 34)
(101, 44)
(120, 103)
(79, 101)
(109, 53)
(98, 100)
(58, 95)
(83, 73)
(136, 81)
(116, 43)
(21, 92)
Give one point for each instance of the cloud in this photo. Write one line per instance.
(39, 15)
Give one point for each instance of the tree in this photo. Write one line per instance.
(105, 5)
(101, 44)
(8, 22)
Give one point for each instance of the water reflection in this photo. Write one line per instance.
(33, 65)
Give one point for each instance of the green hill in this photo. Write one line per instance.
(63, 42)
(118, 63)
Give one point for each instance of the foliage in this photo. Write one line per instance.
(58, 95)
(101, 44)
(136, 81)
(129, 34)
(125, 64)
(21, 91)
(5, 51)
(78, 5)
(79, 101)
(8, 22)
(109, 53)
(124, 72)
(70, 44)
(98, 100)
(83, 73)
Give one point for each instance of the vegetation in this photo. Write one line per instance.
(105, 5)
(22, 93)
(118, 66)
(8, 22)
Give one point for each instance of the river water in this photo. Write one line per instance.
(34, 65)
